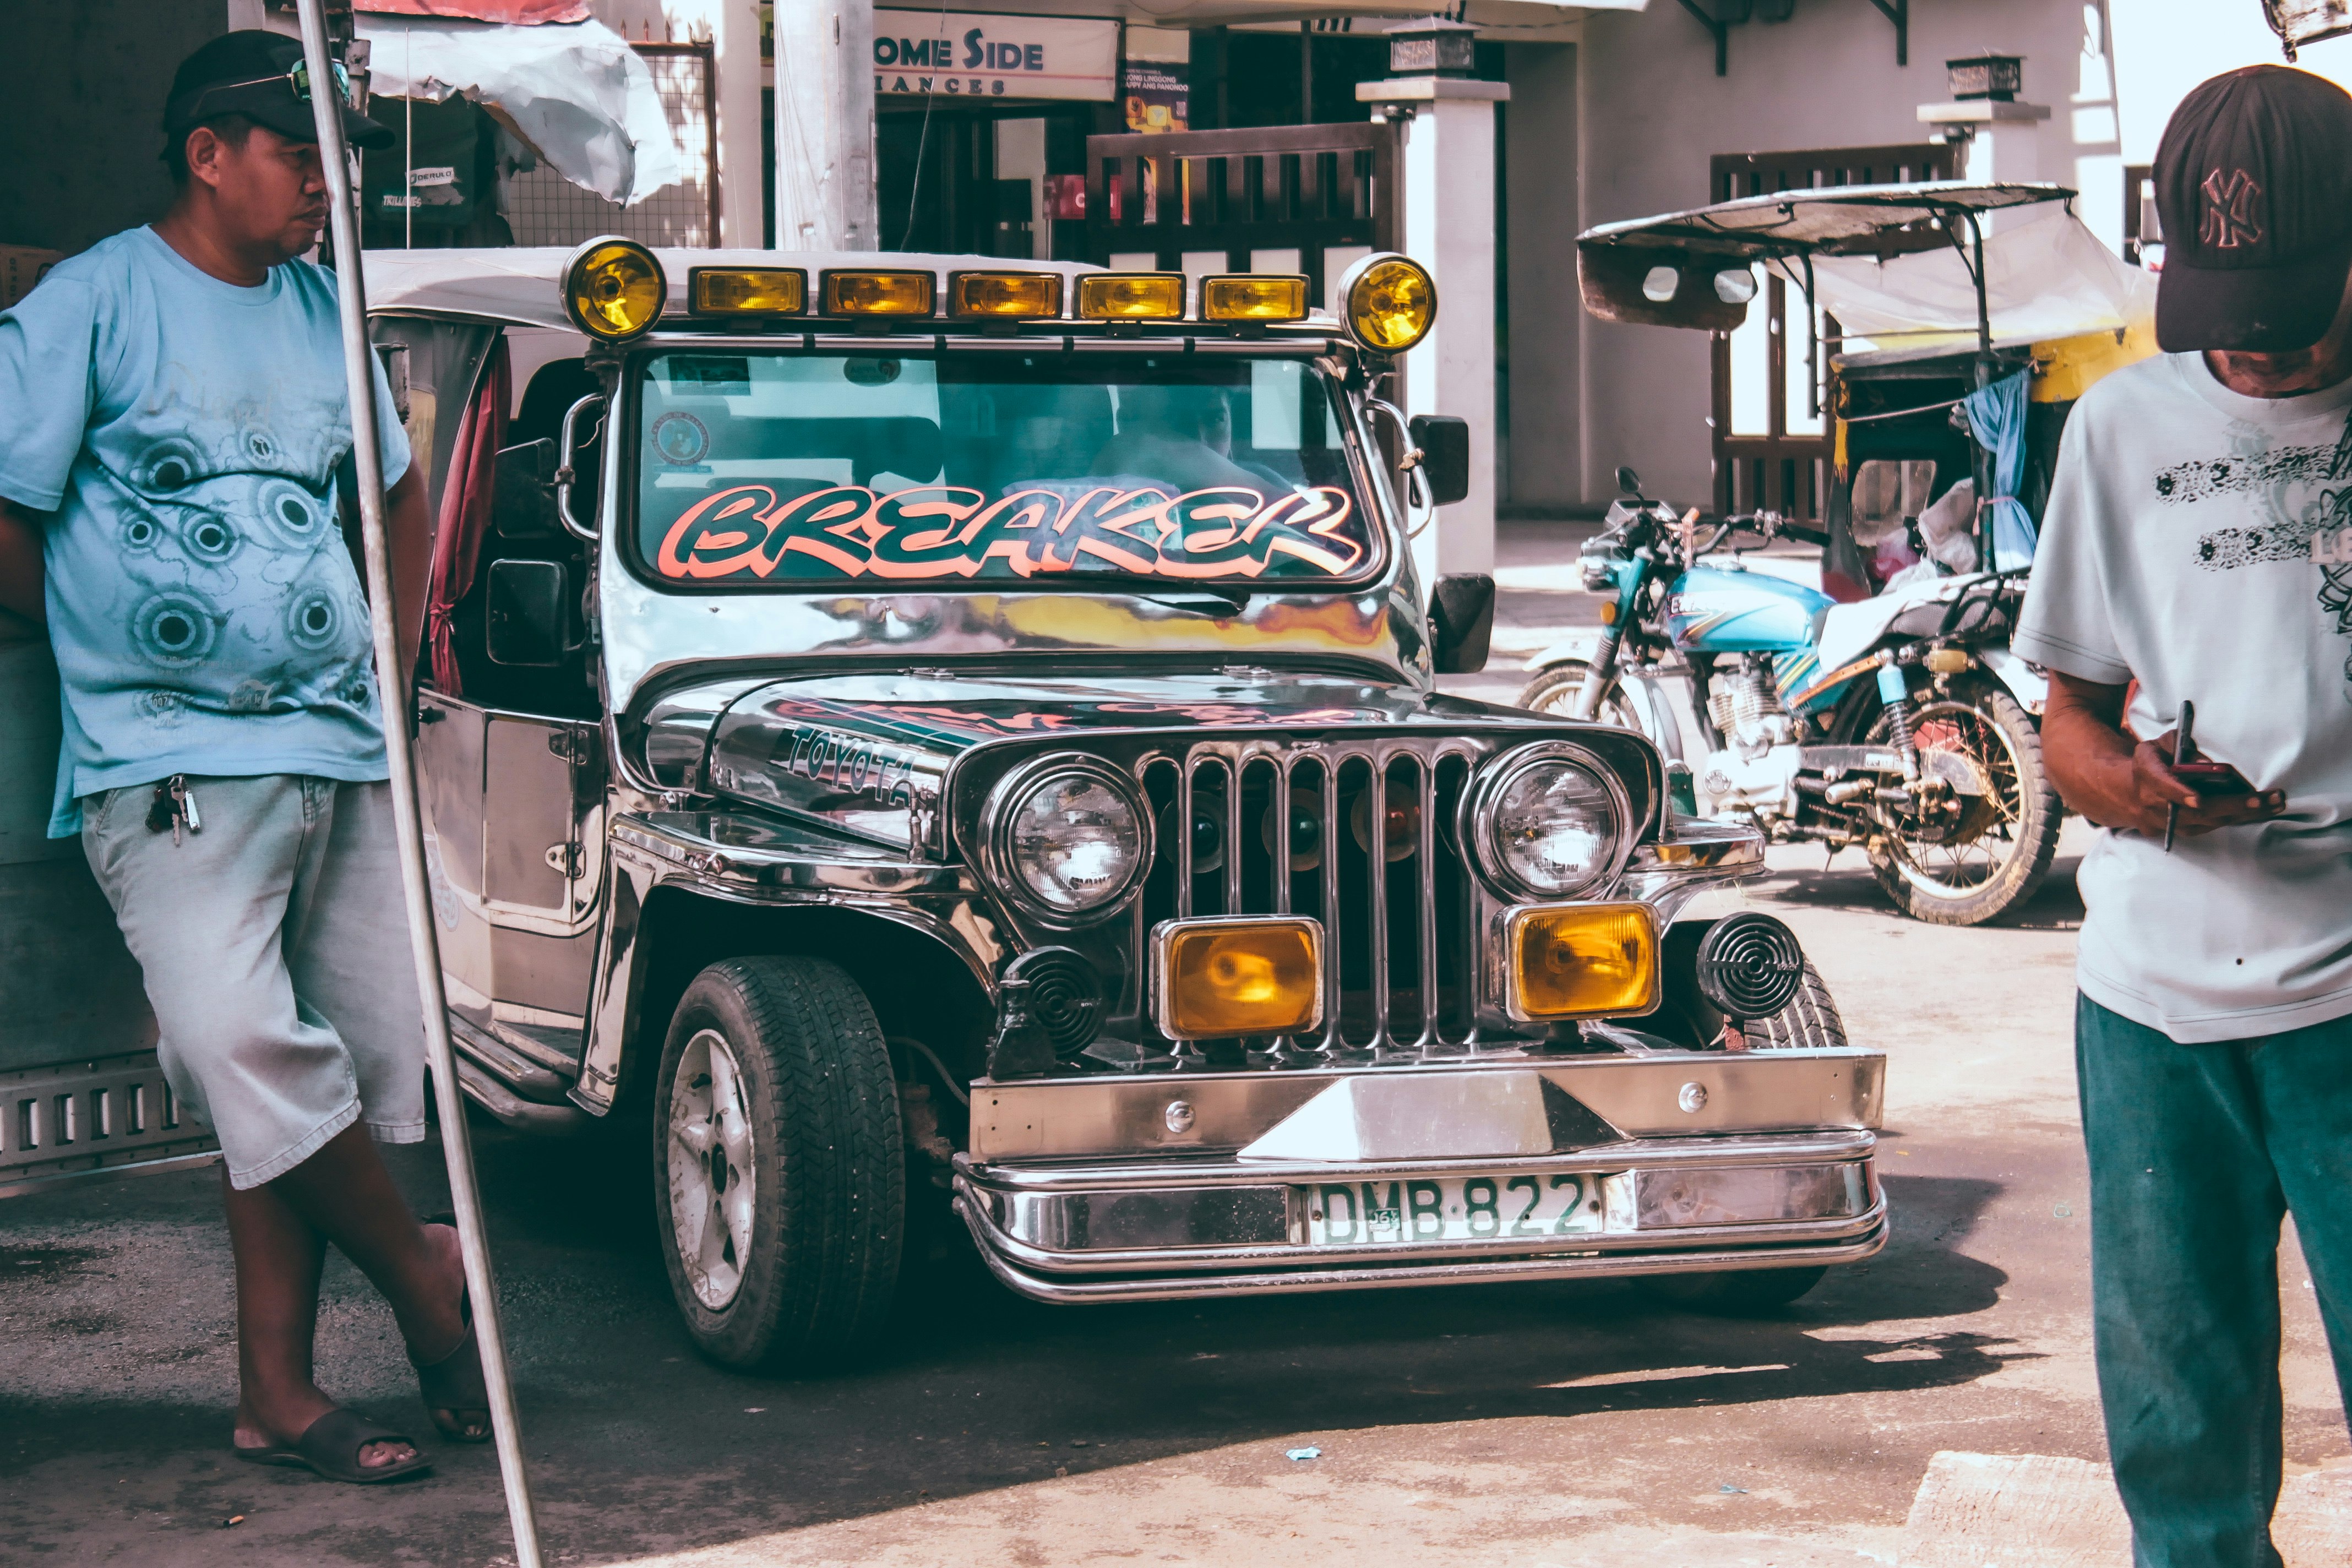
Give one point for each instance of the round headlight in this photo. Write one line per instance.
(614, 288)
(1552, 825)
(1071, 840)
(1390, 303)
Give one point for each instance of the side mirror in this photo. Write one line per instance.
(1445, 443)
(530, 614)
(523, 504)
(1628, 481)
(1460, 622)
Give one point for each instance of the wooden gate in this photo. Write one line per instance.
(1784, 464)
(1283, 198)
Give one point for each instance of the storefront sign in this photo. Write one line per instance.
(964, 55)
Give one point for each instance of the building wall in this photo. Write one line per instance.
(2164, 47)
(1543, 322)
(1652, 111)
(84, 84)
(732, 29)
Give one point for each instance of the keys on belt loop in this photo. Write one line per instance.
(176, 808)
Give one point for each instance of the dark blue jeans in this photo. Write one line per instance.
(2196, 1152)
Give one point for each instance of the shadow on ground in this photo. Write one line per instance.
(639, 1445)
(1846, 883)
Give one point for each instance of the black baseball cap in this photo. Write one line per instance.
(2253, 187)
(252, 73)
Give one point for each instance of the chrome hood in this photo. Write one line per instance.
(898, 759)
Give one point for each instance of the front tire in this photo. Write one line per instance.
(780, 1184)
(1985, 868)
(1556, 687)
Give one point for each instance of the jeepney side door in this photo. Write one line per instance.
(514, 809)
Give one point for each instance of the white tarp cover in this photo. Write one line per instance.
(576, 92)
(2046, 275)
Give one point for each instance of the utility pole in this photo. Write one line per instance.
(824, 125)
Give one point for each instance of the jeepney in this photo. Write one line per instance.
(906, 738)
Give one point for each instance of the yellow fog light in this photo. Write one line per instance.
(877, 293)
(1237, 976)
(1580, 961)
(1012, 295)
(1253, 296)
(614, 288)
(1132, 297)
(746, 290)
(1390, 303)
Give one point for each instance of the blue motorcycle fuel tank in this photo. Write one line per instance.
(1712, 609)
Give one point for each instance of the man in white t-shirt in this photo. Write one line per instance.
(2199, 541)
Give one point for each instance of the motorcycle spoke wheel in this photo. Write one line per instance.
(1965, 869)
(1555, 691)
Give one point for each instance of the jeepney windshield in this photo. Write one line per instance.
(790, 470)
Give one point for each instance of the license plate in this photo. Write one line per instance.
(1505, 1206)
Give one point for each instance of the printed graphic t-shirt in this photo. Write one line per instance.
(2201, 542)
(184, 434)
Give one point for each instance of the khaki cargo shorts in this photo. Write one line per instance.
(275, 948)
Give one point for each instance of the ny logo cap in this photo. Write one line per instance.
(2253, 187)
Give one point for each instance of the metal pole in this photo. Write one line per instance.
(393, 686)
(1981, 464)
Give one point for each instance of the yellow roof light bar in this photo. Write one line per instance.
(1006, 295)
(864, 293)
(1253, 296)
(746, 290)
(1132, 297)
(614, 288)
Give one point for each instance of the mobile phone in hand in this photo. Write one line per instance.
(2212, 778)
(2205, 776)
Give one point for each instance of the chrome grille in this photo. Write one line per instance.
(1360, 836)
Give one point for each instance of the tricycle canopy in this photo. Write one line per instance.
(1691, 268)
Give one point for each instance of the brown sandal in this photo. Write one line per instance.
(455, 1383)
(330, 1446)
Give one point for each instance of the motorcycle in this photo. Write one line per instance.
(1900, 724)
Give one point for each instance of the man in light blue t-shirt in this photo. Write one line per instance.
(175, 414)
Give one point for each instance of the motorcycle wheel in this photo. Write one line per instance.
(1556, 687)
(1995, 858)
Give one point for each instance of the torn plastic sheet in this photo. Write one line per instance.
(2047, 277)
(576, 94)
(525, 11)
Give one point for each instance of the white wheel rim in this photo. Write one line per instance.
(711, 1168)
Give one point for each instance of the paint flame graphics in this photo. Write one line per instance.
(746, 532)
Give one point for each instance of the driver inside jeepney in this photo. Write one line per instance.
(1182, 434)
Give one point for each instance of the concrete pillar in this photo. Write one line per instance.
(734, 34)
(1448, 182)
(824, 125)
(2004, 141)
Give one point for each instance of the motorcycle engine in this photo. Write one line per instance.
(1746, 707)
(1754, 777)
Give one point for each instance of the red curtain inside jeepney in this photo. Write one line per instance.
(467, 496)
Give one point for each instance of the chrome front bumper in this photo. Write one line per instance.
(1701, 1162)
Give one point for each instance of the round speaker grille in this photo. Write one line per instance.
(1749, 966)
(1064, 996)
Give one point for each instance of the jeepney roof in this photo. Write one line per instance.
(523, 285)
(1831, 220)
